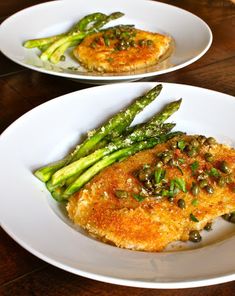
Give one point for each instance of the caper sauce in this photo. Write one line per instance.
(155, 182)
(124, 37)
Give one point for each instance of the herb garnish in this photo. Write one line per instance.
(180, 183)
(181, 145)
(195, 202)
(214, 173)
(138, 197)
(194, 166)
(193, 218)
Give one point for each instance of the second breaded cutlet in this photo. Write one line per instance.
(132, 205)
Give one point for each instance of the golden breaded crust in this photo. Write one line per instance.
(153, 223)
(97, 54)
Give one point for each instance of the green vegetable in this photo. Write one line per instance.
(77, 167)
(181, 203)
(180, 183)
(209, 189)
(159, 175)
(110, 159)
(121, 193)
(193, 218)
(81, 26)
(69, 38)
(208, 226)
(181, 144)
(230, 217)
(194, 236)
(208, 157)
(118, 123)
(195, 189)
(224, 167)
(194, 166)
(214, 173)
(123, 118)
(138, 197)
(195, 202)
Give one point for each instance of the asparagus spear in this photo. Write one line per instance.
(42, 41)
(111, 158)
(78, 36)
(85, 23)
(123, 118)
(82, 25)
(150, 129)
(77, 167)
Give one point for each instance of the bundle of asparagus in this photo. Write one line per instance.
(113, 142)
(54, 47)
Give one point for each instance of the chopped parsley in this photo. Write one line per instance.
(180, 183)
(194, 166)
(195, 202)
(193, 218)
(214, 173)
(181, 145)
(138, 197)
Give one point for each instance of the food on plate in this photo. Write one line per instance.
(121, 49)
(160, 195)
(53, 47)
(116, 49)
(117, 126)
(143, 186)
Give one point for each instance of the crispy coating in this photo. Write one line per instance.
(153, 223)
(95, 55)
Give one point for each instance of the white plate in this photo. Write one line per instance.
(31, 217)
(192, 35)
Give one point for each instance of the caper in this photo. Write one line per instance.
(194, 236)
(195, 189)
(192, 152)
(62, 58)
(149, 42)
(210, 141)
(208, 157)
(202, 183)
(229, 217)
(93, 45)
(121, 193)
(148, 185)
(201, 139)
(171, 198)
(224, 167)
(166, 159)
(226, 217)
(208, 226)
(202, 176)
(164, 154)
(209, 189)
(159, 164)
(144, 174)
(181, 203)
(157, 191)
(142, 42)
(195, 143)
(188, 147)
(132, 43)
(228, 179)
(174, 145)
(172, 162)
(232, 218)
(221, 181)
